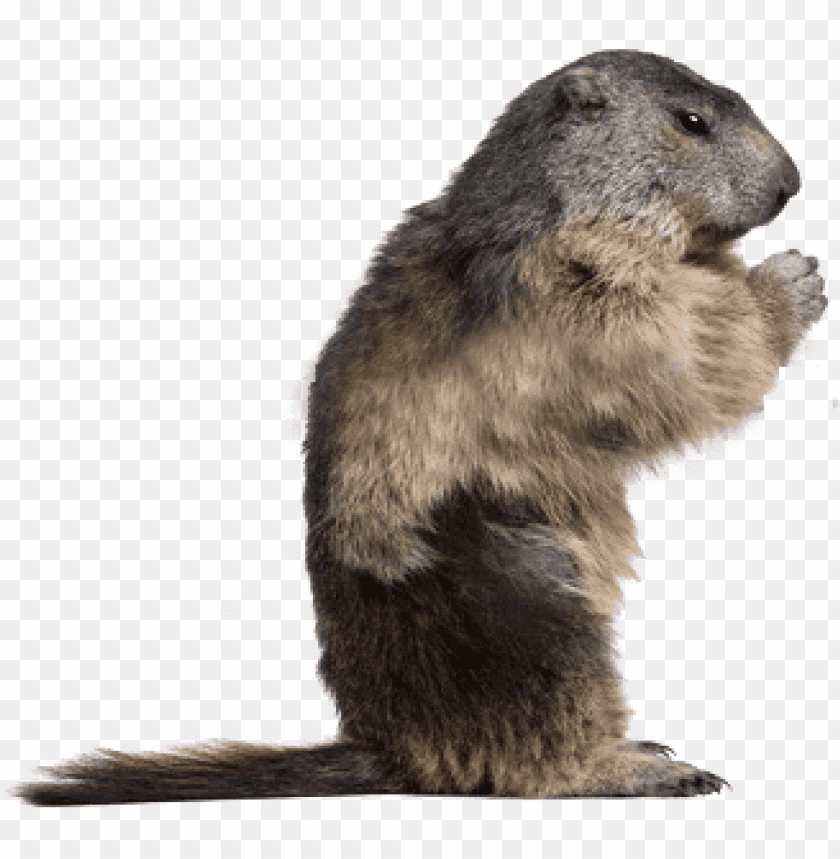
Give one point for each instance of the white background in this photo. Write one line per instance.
(189, 195)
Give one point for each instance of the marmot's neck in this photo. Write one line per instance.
(606, 239)
(622, 254)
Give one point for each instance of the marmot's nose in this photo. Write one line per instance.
(790, 184)
(781, 200)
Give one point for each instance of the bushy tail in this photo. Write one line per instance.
(218, 770)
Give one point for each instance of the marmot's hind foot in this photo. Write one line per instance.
(675, 783)
(643, 769)
(702, 782)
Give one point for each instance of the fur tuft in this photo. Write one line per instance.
(220, 770)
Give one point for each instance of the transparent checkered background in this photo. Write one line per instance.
(190, 192)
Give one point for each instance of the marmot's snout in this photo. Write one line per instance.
(789, 186)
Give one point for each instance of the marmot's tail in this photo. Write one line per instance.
(218, 770)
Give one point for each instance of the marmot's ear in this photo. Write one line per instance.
(586, 89)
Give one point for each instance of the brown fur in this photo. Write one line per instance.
(568, 312)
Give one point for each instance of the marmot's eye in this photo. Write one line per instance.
(693, 123)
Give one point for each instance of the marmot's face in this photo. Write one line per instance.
(729, 174)
(645, 138)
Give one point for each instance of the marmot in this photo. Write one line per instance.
(567, 311)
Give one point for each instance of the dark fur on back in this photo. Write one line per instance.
(567, 311)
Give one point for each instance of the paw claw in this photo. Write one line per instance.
(651, 748)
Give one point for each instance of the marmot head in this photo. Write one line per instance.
(625, 136)
(663, 135)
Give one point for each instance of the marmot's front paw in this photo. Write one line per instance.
(797, 276)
